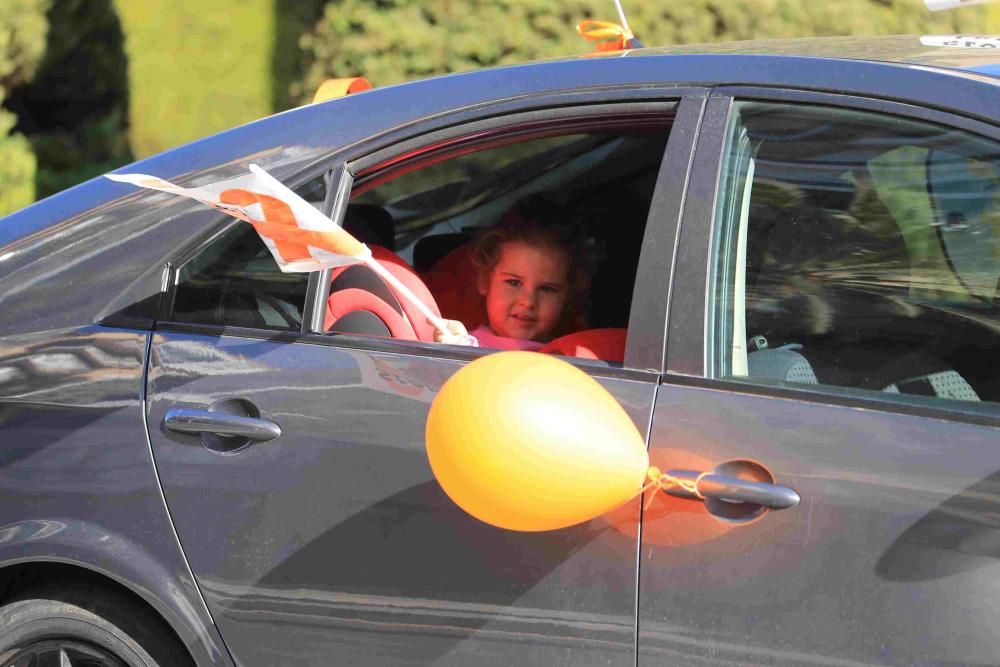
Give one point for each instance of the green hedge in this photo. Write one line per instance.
(389, 41)
(17, 168)
(23, 27)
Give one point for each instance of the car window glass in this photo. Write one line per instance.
(235, 281)
(424, 217)
(965, 192)
(856, 250)
(314, 191)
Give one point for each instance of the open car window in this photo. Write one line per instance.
(423, 213)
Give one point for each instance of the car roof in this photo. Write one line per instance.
(978, 54)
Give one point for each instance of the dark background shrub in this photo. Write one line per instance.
(74, 110)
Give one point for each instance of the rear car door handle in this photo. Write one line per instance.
(731, 489)
(220, 423)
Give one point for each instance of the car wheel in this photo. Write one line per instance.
(83, 625)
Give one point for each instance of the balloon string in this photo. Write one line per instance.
(664, 481)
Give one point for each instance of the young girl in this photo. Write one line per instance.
(531, 280)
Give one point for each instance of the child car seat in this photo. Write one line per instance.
(361, 302)
(453, 281)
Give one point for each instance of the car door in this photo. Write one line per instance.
(833, 333)
(331, 541)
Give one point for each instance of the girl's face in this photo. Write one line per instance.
(526, 291)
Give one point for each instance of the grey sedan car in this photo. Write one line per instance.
(795, 256)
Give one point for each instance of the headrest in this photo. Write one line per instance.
(453, 282)
(807, 264)
(602, 344)
(781, 364)
(429, 250)
(370, 224)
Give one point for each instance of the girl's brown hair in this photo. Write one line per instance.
(536, 222)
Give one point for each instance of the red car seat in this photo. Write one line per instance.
(361, 302)
(602, 344)
(453, 281)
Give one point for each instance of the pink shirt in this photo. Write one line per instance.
(489, 339)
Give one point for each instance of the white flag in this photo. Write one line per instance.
(300, 238)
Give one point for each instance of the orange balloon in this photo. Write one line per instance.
(525, 441)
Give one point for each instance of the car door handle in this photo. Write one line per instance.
(220, 423)
(729, 489)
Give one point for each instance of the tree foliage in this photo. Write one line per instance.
(23, 27)
(389, 41)
(194, 68)
(64, 94)
(74, 110)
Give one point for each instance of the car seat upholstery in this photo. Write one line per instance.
(913, 373)
(602, 344)
(781, 364)
(453, 281)
(361, 302)
(943, 384)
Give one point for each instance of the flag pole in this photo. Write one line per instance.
(386, 275)
(621, 16)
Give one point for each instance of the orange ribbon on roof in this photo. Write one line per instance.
(333, 88)
(597, 31)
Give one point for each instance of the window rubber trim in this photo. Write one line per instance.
(850, 397)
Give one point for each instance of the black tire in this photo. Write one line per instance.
(92, 625)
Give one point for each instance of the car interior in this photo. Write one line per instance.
(234, 281)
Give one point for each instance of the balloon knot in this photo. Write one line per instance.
(653, 474)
